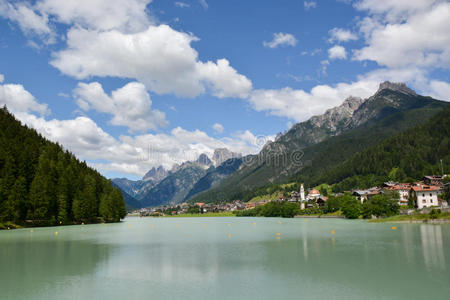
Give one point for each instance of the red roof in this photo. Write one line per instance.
(314, 192)
(400, 186)
(425, 188)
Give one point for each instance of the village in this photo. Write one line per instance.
(412, 197)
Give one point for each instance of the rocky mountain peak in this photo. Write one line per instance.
(396, 86)
(156, 174)
(223, 154)
(204, 160)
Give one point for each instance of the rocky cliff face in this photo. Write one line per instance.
(156, 174)
(223, 154)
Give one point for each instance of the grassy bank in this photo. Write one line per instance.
(9, 225)
(413, 218)
(218, 214)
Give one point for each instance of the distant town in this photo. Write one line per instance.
(414, 197)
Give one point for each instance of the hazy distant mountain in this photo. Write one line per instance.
(223, 154)
(174, 188)
(156, 174)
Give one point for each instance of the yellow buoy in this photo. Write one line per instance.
(332, 231)
(278, 234)
(229, 225)
(153, 225)
(394, 228)
(56, 232)
(60, 222)
(31, 230)
(9, 228)
(254, 223)
(82, 223)
(229, 235)
(279, 222)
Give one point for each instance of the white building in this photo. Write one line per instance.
(403, 190)
(425, 195)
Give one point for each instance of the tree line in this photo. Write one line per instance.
(43, 184)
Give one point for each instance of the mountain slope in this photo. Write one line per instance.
(214, 176)
(130, 202)
(42, 184)
(174, 188)
(413, 153)
(326, 140)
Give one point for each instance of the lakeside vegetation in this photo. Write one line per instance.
(435, 214)
(41, 184)
(208, 214)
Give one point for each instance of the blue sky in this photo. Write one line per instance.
(115, 80)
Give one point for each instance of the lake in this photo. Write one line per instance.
(226, 258)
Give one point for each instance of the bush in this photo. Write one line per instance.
(381, 206)
(434, 213)
(351, 209)
(271, 209)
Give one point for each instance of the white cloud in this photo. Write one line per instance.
(129, 15)
(182, 4)
(404, 34)
(439, 90)
(204, 4)
(395, 11)
(18, 99)
(281, 39)
(218, 127)
(337, 52)
(28, 20)
(159, 57)
(309, 4)
(299, 105)
(130, 105)
(341, 35)
(135, 154)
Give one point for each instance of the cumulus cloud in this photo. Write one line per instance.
(28, 20)
(299, 105)
(341, 35)
(127, 15)
(135, 154)
(309, 4)
(159, 57)
(218, 127)
(402, 34)
(18, 99)
(337, 52)
(129, 105)
(281, 39)
(439, 90)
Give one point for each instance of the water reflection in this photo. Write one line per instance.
(432, 246)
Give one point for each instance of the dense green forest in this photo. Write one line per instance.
(42, 184)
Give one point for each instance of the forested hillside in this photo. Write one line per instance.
(42, 184)
(404, 157)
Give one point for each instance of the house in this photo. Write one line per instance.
(321, 201)
(364, 195)
(250, 205)
(313, 195)
(403, 190)
(433, 180)
(425, 195)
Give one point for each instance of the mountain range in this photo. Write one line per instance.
(308, 150)
(160, 186)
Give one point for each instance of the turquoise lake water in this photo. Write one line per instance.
(227, 258)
